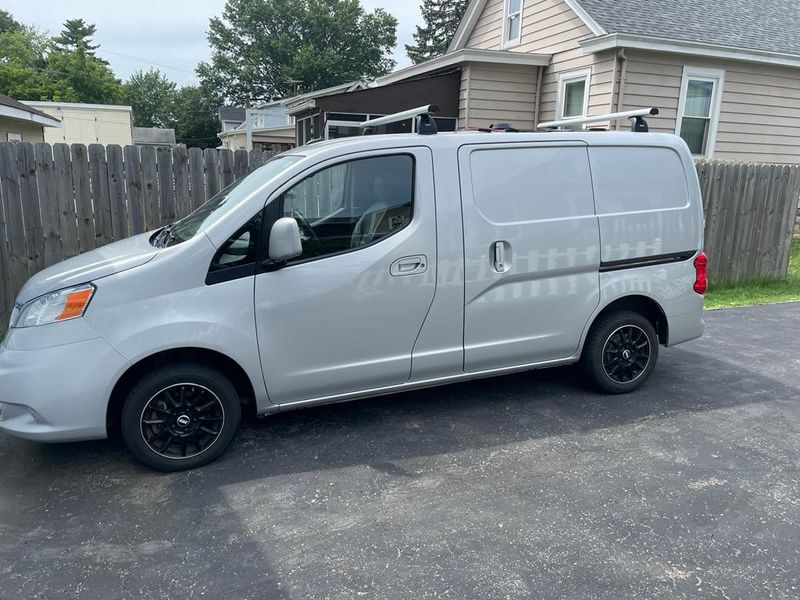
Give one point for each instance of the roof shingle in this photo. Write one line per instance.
(769, 25)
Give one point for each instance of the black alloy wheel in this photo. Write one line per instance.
(620, 352)
(180, 416)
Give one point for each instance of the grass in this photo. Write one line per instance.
(759, 291)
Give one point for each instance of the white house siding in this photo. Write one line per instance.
(760, 113)
(87, 124)
(551, 27)
(30, 132)
(493, 93)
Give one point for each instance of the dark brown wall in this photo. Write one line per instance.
(397, 97)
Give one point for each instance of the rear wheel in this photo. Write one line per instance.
(180, 417)
(620, 352)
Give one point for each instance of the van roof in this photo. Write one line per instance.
(460, 138)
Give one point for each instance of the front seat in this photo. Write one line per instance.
(381, 218)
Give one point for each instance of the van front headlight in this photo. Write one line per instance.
(62, 305)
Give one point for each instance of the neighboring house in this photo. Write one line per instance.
(153, 136)
(88, 123)
(22, 123)
(336, 112)
(231, 117)
(725, 75)
(264, 127)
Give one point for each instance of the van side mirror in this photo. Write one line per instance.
(284, 240)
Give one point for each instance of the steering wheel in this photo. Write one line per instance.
(306, 231)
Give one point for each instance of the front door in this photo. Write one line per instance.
(343, 317)
(531, 252)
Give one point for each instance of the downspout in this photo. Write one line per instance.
(623, 74)
(538, 97)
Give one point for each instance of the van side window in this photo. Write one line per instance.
(352, 204)
(238, 255)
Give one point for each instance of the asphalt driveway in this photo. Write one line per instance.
(525, 486)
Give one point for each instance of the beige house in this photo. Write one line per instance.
(87, 123)
(725, 75)
(22, 123)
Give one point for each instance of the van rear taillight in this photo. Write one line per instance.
(700, 278)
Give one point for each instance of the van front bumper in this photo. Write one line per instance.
(59, 393)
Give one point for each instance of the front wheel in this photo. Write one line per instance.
(620, 352)
(180, 417)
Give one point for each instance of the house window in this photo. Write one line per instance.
(573, 94)
(14, 137)
(512, 24)
(698, 109)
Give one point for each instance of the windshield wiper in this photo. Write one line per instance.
(166, 235)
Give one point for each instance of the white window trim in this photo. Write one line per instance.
(717, 76)
(506, 43)
(570, 77)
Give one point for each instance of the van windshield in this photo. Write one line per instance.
(210, 212)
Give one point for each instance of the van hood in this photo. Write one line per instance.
(102, 262)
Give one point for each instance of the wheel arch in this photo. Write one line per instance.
(645, 306)
(229, 367)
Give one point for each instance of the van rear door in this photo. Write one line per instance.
(531, 252)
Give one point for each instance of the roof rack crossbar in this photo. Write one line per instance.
(425, 126)
(639, 124)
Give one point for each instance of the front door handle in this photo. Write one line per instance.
(409, 265)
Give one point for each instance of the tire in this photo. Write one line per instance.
(620, 353)
(180, 417)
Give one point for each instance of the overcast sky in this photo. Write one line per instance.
(167, 34)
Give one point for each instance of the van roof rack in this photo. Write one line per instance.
(425, 123)
(639, 125)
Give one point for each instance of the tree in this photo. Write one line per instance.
(442, 18)
(23, 51)
(77, 36)
(196, 117)
(8, 22)
(90, 77)
(152, 97)
(72, 61)
(259, 46)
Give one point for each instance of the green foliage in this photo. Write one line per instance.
(196, 117)
(35, 67)
(442, 18)
(762, 291)
(259, 46)
(8, 22)
(23, 64)
(77, 37)
(152, 97)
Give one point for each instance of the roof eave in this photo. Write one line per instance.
(642, 42)
(466, 55)
(29, 117)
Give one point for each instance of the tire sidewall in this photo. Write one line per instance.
(157, 380)
(593, 359)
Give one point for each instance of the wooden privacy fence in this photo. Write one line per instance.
(59, 201)
(750, 213)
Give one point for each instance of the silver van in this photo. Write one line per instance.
(359, 267)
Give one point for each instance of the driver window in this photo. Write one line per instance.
(351, 205)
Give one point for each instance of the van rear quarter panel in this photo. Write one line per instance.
(648, 203)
